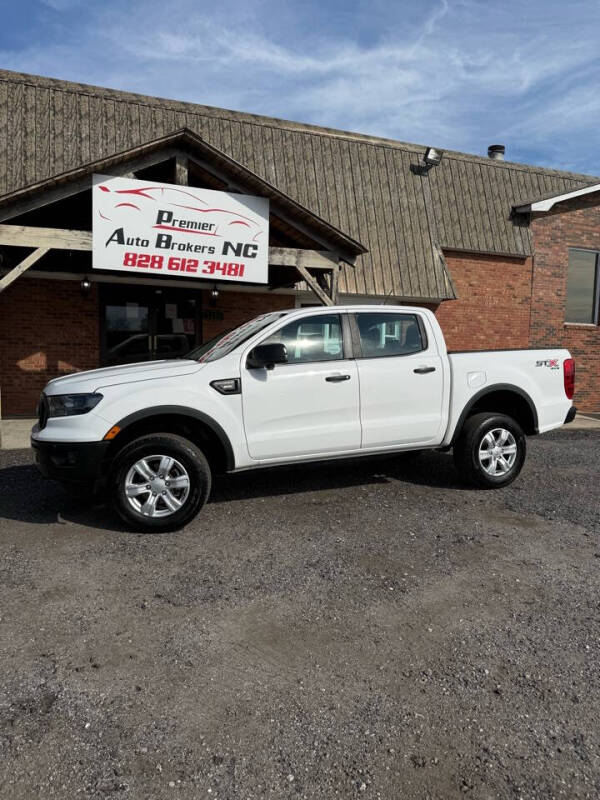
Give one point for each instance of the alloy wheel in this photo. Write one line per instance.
(498, 452)
(157, 486)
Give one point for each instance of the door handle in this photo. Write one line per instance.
(337, 378)
(424, 370)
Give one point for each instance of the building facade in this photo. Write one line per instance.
(505, 253)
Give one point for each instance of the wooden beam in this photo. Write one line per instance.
(182, 170)
(310, 259)
(22, 267)
(45, 239)
(22, 236)
(324, 298)
(59, 239)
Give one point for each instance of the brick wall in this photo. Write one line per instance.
(47, 328)
(238, 307)
(494, 302)
(572, 224)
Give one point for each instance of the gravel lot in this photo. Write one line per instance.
(366, 629)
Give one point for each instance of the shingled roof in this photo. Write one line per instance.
(367, 187)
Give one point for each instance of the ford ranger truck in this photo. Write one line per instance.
(296, 386)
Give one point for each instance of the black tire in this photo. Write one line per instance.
(189, 462)
(471, 439)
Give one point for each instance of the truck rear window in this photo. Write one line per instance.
(389, 334)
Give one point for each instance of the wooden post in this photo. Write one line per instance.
(182, 177)
(335, 275)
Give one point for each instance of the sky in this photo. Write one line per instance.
(455, 74)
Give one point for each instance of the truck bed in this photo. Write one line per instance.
(536, 374)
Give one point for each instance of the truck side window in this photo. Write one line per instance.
(389, 334)
(317, 338)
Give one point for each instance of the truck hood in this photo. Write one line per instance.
(95, 379)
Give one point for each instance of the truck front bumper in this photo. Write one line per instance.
(71, 462)
(570, 415)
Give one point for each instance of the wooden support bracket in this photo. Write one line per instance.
(22, 267)
(323, 297)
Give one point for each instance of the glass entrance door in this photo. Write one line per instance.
(175, 326)
(145, 324)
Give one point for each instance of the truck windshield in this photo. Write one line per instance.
(224, 343)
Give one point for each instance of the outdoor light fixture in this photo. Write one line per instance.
(86, 285)
(214, 295)
(433, 156)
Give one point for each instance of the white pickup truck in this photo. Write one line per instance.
(293, 386)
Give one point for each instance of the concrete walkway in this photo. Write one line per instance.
(585, 422)
(14, 433)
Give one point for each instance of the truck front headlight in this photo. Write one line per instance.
(66, 405)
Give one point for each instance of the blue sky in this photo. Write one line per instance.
(459, 74)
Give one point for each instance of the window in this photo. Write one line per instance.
(583, 287)
(389, 334)
(317, 338)
(224, 343)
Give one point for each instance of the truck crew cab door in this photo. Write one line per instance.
(309, 405)
(401, 380)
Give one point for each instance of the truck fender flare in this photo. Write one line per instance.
(496, 387)
(190, 413)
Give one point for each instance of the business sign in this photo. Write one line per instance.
(150, 228)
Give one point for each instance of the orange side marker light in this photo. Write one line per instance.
(112, 433)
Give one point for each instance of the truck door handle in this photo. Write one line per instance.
(337, 378)
(424, 370)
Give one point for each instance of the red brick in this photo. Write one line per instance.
(47, 328)
(572, 224)
(493, 306)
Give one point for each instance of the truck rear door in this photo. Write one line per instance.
(401, 378)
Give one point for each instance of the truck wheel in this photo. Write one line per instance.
(490, 450)
(160, 482)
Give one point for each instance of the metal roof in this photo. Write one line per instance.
(185, 139)
(368, 187)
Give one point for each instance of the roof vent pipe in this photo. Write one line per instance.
(496, 152)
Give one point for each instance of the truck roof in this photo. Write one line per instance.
(356, 307)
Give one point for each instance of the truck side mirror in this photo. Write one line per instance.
(267, 355)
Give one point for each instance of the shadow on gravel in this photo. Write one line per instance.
(432, 469)
(27, 497)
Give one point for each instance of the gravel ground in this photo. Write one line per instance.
(360, 629)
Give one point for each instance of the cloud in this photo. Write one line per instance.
(455, 73)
